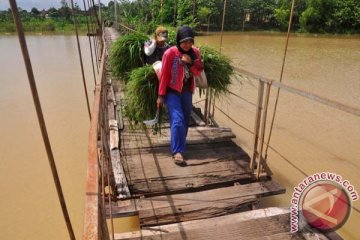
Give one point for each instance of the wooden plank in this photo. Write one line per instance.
(270, 223)
(152, 171)
(142, 139)
(114, 134)
(197, 119)
(118, 112)
(119, 175)
(199, 205)
(110, 103)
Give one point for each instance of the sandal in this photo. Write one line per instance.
(178, 159)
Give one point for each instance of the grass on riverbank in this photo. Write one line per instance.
(46, 26)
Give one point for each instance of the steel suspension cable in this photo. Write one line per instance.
(93, 37)
(96, 16)
(221, 42)
(115, 13)
(40, 116)
(281, 77)
(98, 20)
(99, 2)
(96, 43)
(88, 30)
(80, 57)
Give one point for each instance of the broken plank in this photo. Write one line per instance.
(272, 223)
(198, 205)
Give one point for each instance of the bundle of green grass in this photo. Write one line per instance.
(127, 53)
(141, 94)
(142, 85)
(218, 70)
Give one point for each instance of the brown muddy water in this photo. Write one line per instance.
(29, 205)
(307, 135)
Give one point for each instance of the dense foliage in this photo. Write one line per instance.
(50, 20)
(140, 100)
(127, 53)
(330, 16)
(218, 70)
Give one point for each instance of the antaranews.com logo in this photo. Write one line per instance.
(323, 201)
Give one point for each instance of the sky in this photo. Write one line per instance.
(42, 4)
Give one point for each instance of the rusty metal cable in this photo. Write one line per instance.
(96, 16)
(221, 42)
(88, 30)
(80, 57)
(40, 116)
(222, 25)
(281, 77)
(93, 37)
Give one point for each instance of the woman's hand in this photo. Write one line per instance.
(160, 102)
(186, 58)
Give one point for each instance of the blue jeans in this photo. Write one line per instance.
(179, 108)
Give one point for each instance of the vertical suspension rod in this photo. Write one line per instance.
(263, 129)
(88, 30)
(40, 116)
(281, 77)
(80, 58)
(92, 30)
(221, 42)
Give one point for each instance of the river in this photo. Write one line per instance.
(29, 205)
(309, 135)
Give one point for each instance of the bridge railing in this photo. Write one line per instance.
(259, 154)
(95, 227)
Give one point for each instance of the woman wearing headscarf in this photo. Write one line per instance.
(154, 49)
(180, 64)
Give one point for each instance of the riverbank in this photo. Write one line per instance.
(278, 33)
(46, 26)
(83, 31)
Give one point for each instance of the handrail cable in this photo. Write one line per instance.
(320, 99)
(272, 148)
(127, 28)
(281, 77)
(236, 95)
(88, 30)
(80, 57)
(40, 116)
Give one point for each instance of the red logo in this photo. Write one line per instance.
(325, 206)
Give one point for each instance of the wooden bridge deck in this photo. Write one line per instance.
(201, 200)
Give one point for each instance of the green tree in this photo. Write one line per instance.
(64, 10)
(35, 11)
(204, 14)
